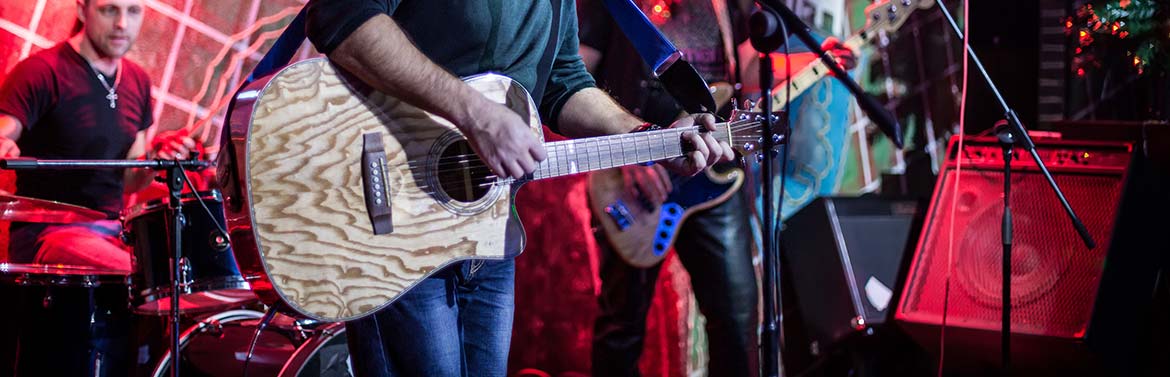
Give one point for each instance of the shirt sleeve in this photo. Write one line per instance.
(568, 74)
(330, 22)
(28, 92)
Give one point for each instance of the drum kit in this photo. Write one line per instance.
(82, 321)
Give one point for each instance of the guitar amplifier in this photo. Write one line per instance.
(1063, 294)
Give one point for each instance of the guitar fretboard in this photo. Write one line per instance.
(578, 156)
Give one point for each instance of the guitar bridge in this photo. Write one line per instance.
(375, 184)
(620, 214)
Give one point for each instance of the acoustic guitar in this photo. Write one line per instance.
(340, 199)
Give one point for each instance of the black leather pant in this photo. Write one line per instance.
(715, 247)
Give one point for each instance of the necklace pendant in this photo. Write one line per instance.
(113, 97)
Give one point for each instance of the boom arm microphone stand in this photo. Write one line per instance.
(174, 176)
(1011, 132)
(766, 25)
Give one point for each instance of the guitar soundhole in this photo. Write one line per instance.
(462, 175)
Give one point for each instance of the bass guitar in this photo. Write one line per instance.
(641, 232)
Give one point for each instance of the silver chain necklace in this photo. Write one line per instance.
(112, 91)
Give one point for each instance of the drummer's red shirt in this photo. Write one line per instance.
(62, 105)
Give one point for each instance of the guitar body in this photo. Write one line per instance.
(641, 233)
(299, 201)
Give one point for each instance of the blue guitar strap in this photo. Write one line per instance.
(282, 51)
(678, 77)
(652, 46)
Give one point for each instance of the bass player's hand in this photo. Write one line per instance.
(503, 140)
(647, 182)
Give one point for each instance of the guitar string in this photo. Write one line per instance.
(466, 163)
(493, 180)
(578, 142)
(471, 161)
(470, 156)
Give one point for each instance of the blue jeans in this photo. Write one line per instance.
(457, 322)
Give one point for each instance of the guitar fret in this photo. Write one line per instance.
(590, 150)
(607, 152)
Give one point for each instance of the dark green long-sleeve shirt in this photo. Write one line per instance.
(469, 37)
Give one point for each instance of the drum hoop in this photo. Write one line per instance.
(61, 275)
(310, 347)
(224, 317)
(158, 204)
(162, 292)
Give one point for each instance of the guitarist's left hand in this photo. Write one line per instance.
(707, 151)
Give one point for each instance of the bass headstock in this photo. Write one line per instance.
(889, 15)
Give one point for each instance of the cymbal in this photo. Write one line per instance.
(32, 210)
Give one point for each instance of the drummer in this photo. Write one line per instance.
(82, 99)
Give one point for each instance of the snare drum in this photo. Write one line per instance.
(210, 279)
(63, 321)
(218, 345)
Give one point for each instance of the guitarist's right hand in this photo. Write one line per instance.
(503, 140)
(648, 182)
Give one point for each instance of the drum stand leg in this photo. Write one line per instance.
(174, 178)
(271, 313)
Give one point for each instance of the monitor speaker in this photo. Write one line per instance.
(844, 256)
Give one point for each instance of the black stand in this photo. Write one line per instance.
(768, 32)
(1007, 142)
(1018, 134)
(766, 37)
(173, 171)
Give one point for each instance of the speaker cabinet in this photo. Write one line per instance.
(844, 257)
(1057, 283)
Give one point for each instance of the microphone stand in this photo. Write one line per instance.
(1011, 131)
(173, 173)
(766, 36)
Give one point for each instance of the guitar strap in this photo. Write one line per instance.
(677, 76)
(544, 69)
(282, 50)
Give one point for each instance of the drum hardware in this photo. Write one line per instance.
(209, 278)
(288, 347)
(268, 316)
(174, 173)
(62, 320)
(32, 210)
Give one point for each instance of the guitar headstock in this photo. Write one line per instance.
(889, 15)
(746, 129)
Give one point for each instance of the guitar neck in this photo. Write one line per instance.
(813, 72)
(583, 155)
